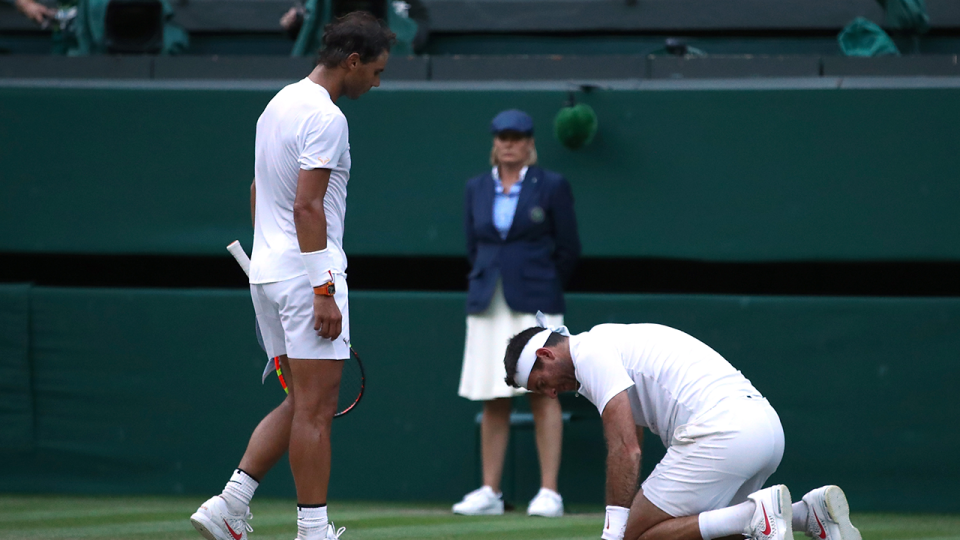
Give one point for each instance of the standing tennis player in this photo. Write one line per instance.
(723, 438)
(297, 274)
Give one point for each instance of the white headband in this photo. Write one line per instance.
(528, 356)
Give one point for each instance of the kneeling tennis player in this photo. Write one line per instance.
(723, 438)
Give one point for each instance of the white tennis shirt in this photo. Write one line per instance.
(670, 377)
(301, 128)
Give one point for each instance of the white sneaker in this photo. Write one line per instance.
(828, 515)
(773, 518)
(214, 521)
(547, 503)
(480, 502)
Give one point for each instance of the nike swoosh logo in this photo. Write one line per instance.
(232, 532)
(767, 519)
(607, 526)
(823, 531)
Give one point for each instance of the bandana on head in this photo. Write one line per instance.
(529, 354)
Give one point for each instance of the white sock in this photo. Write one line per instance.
(311, 522)
(238, 492)
(800, 517)
(726, 521)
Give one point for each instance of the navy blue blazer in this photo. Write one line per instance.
(537, 258)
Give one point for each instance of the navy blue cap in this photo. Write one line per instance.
(512, 120)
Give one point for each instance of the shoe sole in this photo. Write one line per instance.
(838, 511)
(205, 527)
(786, 511)
(482, 513)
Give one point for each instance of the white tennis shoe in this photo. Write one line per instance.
(480, 502)
(547, 503)
(214, 521)
(773, 517)
(828, 515)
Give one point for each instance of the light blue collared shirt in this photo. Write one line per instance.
(505, 204)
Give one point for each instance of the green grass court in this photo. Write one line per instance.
(155, 518)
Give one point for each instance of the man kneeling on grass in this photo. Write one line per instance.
(723, 438)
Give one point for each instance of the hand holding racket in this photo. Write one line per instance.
(353, 379)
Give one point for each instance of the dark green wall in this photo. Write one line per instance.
(156, 391)
(711, 174)
(16, 388)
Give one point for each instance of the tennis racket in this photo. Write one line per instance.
(353, 378)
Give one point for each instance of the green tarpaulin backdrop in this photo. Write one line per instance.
(157, 391)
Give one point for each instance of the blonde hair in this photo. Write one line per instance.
(531, 159)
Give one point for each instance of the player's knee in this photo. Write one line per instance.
(316, 420)
(323, 404)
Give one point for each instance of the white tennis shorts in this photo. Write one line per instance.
(718, 459)
(285, 315)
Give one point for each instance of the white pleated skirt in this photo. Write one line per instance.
(481, 378)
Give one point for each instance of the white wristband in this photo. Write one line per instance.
(319, 266)
(616, 523)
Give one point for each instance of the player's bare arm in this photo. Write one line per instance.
(623, 451)
(311, 224)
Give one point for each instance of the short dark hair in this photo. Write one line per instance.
(515, 347)
(358, 32)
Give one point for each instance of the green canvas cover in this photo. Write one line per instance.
(906, 15)
(318, 14)
(864, 38)
(404, 27)
(89, 30)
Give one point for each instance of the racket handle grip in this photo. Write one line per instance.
(236, 250)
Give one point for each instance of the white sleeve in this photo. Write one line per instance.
(322, 140)
(601, 373)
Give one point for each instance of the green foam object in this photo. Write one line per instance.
(575, 126)
(864, 38)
